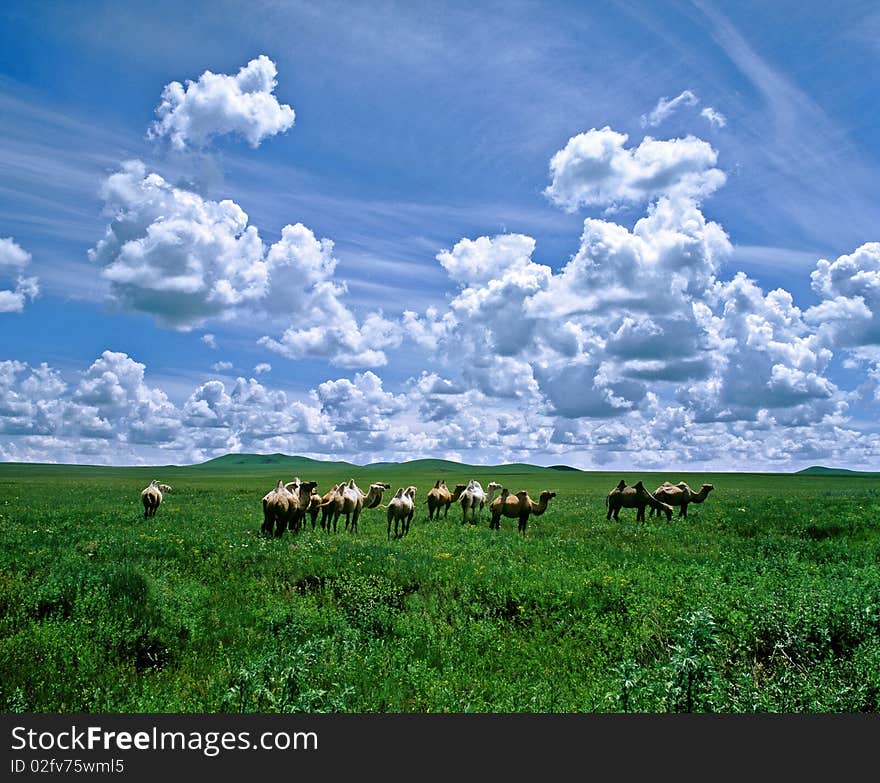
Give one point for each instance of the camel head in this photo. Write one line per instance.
(543, 500)
(493, 485)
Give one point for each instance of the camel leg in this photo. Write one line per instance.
(523, 520)
(684, 510)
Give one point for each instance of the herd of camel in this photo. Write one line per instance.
(290, 504)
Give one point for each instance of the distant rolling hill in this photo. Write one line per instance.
(239, 462)
(820, 470)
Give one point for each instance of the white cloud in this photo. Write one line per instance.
(262, 367)
(714, 117)
(13, 259)
(336, 334)
(114, 400)
(12, 255)
(217, 104)
(848, 317)
(210, 340)
(175, 255)
(221, 366)
(666, 107)
(483, 259)
(596, 169)
(187, 260)
(767, 360)
(850, 289)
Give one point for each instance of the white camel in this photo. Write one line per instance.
(474, 498)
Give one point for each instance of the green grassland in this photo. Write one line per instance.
(766, 598)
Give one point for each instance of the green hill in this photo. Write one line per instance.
(820, 470)
(239, 462)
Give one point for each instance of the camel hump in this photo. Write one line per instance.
(399, 493)
(639, 485)
(280, 484)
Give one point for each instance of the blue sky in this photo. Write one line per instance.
(628, 236)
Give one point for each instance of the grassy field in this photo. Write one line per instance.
(765, 599)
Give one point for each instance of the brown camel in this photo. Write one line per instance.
(519, 506)
(279, 507)
(302, 491)
(681, 495)
(439, 497)
(637, 497)
(331, 507)
(314, 506)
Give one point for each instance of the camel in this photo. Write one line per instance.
(400, 509)
(314, 507)
(637, 497)
(519, 506)
(439, 497)
(331, 507)
(151, 498)
(279, 507)
(302, 491)
(474, 498)
(355, 500)
(681, 495)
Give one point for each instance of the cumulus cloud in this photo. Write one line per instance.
(262, 367)
(666, 107)
(337, 335)
(483, 259)
(210, 340)
(849, 313)
(13, 260)
(187, 260)
(217, 104)
(113, 400)
(221, 366)
(597, 169)
(768, 360)
(175, 255)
